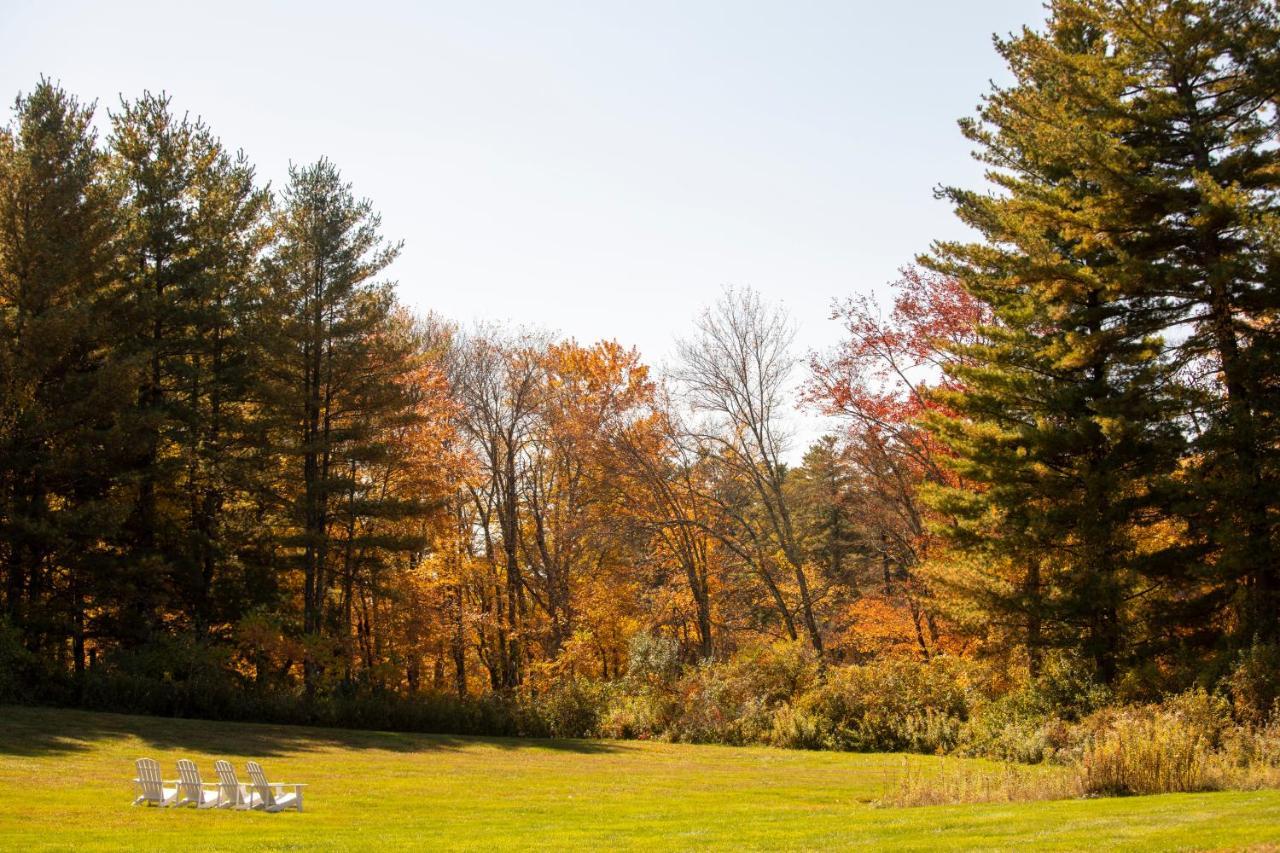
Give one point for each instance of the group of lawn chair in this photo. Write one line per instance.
(227, 793)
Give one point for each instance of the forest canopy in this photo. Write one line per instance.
(239, 476)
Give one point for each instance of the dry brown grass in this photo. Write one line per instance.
(1184, 745)
(1187, 744)
(961, 783)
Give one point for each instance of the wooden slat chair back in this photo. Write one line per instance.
(271, 797)
(191, 790)
(231, 793)
(151, 789)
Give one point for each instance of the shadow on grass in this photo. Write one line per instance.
(35, 732)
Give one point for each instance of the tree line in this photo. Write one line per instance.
(222, 433)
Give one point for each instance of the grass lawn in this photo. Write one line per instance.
(64, 784)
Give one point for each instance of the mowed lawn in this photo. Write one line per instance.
(64, 784)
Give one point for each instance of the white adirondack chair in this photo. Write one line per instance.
(271, 796)
(232, 793)
(151, 788)
(191, 790)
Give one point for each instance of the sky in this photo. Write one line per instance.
(599, 169)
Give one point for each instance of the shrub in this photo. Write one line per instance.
(1254, 683)
(1014, 727)
(735, 701)
(646, 702)
(1167, 748)
(890, 705)
(571, 708)
(713, 702)
(172, 677)
(1140, 754)
(1034, 723)
(1255, 750)
(798, 729)
(1066, 686)
(653, 660)
(716, 704)
(17, 665)
(776, 694)
(776, 673)
(640, 716)
(428, 711)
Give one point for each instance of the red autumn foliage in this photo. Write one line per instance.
(877, 381)
(879, 374)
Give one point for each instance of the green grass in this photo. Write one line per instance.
(64, 784)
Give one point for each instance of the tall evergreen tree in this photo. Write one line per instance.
(336, 385)
(1172, 119)
(156, 158)
(196, 225)
(1166, 121)
(1065, 434)
(60, 436)
(218, 386)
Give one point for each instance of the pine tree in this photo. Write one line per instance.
(338, 377)
(1065, 434)
(218, 385)
(60, 389)
(822, 489)
(155, 160)
(195, 228)
(1172, 120)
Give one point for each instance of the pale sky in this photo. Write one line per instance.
(600, 169)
